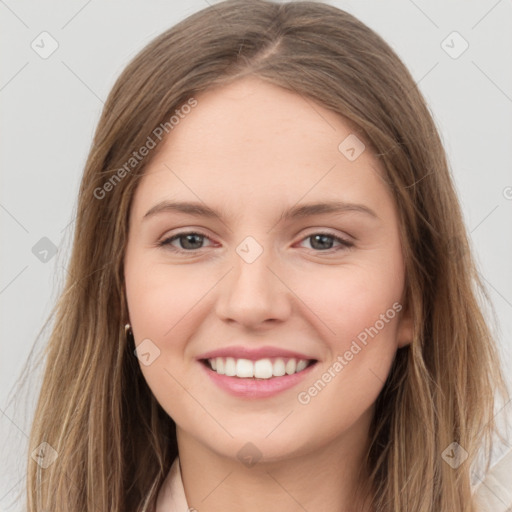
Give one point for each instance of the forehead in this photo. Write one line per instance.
(253, 115)
(251, 140)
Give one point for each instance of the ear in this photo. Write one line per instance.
(405, 328)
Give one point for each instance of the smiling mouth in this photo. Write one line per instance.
(261, 369)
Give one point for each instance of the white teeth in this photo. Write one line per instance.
(244, 368)
(291, 366)
(230, 367)
(301, 365)
(263, 369)
(260, 369)
(278, 368)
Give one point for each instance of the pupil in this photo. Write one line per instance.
(325, 238)
(324, 241)
(198, 241)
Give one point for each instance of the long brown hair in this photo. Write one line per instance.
(115, 443)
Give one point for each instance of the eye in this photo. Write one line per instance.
(324, 241)
(189, 241)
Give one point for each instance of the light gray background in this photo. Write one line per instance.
(50, 108)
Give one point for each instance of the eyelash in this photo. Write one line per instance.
(167, 242)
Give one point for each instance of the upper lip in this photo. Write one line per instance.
(253, 354)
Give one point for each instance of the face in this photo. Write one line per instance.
(254, 279)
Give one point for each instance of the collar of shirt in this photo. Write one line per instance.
(171, 497)
(492, 495)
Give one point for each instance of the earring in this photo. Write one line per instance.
(128, 332)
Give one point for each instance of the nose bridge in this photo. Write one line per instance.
(252, 293)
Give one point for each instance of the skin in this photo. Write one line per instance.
(250, 150)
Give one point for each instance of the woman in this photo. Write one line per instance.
(355, 372)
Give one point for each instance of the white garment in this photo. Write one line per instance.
(494, 494)
(171, 497)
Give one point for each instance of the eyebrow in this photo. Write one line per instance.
(305, 210)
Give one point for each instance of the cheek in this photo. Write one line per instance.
(361, 309)
(159, 298)
(360, 358)
(160, 302)
(350, 299)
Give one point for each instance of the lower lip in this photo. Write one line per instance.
(253, 388)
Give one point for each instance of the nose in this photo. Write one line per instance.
(254, 294)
